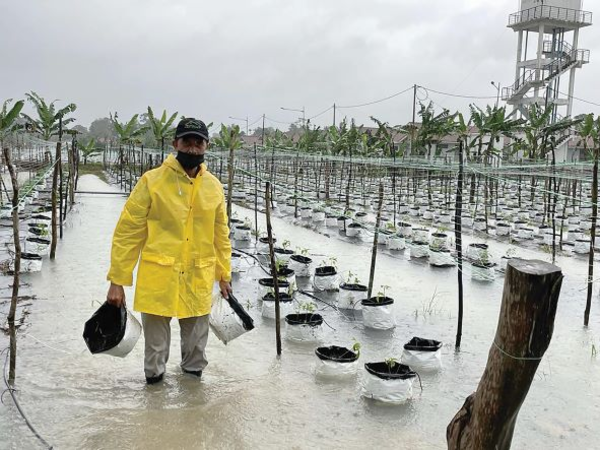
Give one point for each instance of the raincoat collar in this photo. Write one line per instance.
(172, 163)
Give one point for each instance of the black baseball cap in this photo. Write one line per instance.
(191, 127)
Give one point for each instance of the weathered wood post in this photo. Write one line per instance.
(16, 267)
(488, 417)
(458, 238)
(273, 269)
(375, 242)
(57, 163)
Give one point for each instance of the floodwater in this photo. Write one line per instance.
(248, 398)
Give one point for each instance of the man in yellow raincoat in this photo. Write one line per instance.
(175, 223)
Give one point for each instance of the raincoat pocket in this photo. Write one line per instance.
(156, 274)
(204, 276)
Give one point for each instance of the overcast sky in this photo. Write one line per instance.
(214, 59)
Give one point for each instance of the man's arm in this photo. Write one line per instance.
(129, 237)
(222, 249)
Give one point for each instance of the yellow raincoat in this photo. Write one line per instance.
(179, 225)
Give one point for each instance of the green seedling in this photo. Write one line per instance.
(391, 363)
(356, 347)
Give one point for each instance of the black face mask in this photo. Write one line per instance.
(188, 161)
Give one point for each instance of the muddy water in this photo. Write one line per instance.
(248, 398)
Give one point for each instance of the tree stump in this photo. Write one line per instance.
(488, 417)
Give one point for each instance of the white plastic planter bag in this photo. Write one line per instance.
(336, 362)
(441, 258)
(428, 361)
(265, 286)
(334, 369)
(394, 391)
(582, 246)
(380, 317)
(104, 334)
(326, 279)
(331, 222)
(419, 250)
(241, 233)
(502, 230)
(301, 265)
(396, 243)
(318, 216)
(228, 320)
(236, 262)
(423, 354)
(285, 308)
(297, 331)
(421, 235)
(30, 262)
(351, 296)
(483, 272)
(353, 230)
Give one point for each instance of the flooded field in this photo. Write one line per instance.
(250, 399)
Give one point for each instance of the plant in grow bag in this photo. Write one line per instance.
(381, 294)
(301, 251)
(391, 363)
(286, 244)
(356, 347)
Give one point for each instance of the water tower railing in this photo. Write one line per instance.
(552, 13)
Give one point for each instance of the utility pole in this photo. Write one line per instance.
(334, 115)
(414, 118)
(262, 140)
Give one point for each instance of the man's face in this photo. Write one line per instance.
(193, 145)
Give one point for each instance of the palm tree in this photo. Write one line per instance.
(161, 128)
(589, 132)
(50, 120)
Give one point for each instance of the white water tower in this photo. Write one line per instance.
(548, 54)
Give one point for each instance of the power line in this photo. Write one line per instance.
(278, 121)
(376, 101)
(321, 113)
(580, 99)
(448, 94)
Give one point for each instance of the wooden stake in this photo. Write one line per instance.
(16, 267)
(488, 417)
(273, 269)
(375, 242)
(458, 238)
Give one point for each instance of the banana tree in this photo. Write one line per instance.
(8, 119)
(127, 133)
(161, 128)
(229, 138)
(589, 132)
(89, 149)
(50, 119)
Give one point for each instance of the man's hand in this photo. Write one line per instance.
(225, 288)
(116, 295)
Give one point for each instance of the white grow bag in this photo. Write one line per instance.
(396, 243)
(133, 330)
(423, 354)
(351, 296)
(301, 265)
(241, 233)
(331, 222)
(225, 323)
(336, 362)
(329, 282)
(394, 391)
(380, 317)
(419, 250)
(302, 332)
(285, 308)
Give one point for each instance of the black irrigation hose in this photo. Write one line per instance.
(11, 391)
